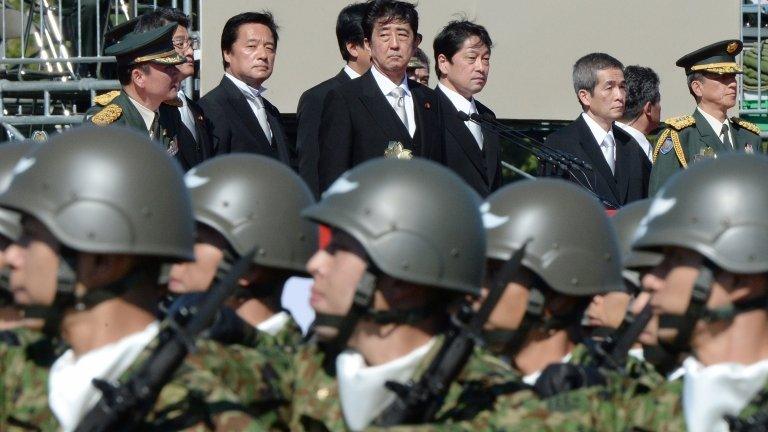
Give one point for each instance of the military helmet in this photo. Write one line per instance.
(252, 201)
(106, 190)
(716, 208)
(10, 153)
(418, 221)
(626, 221)
(571, 245)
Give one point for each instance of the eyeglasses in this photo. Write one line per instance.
(186, 43)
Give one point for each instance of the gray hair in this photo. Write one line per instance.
(585, 70)
(694, 76)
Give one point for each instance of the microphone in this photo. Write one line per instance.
(487, 118)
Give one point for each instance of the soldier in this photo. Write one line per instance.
(383, 290)
(241, 202)
(711, 73)
(571, 255)
(146, 65)
(103, 210)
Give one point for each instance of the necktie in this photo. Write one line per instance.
(154, 128)
(398, 93)
(261, 116)
(477, 132)
(726, 139)
(609, 151)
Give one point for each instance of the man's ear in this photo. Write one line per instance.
(442, 64)
(354, 50)
(647, 109)
(696, 88)
(585, 97)
(138, 77)
(367, 45)
(249, 277)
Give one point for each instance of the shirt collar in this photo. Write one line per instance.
(460, 102)
(636, 134)
(274, 324)
(386, 85)
(596, 130)
(351, 73)
(716, 124)
(146, 114)
(247, 90)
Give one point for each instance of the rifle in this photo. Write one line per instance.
(124, 406)
(419, 402)
(608, 355)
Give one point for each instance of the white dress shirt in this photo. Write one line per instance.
(717, 126)
(600, 134)
(640, 137)
(386, 85)
(274, 324)
(466, 106)
(186, 115)
(532, 377)
(351, 73)
(254, 98)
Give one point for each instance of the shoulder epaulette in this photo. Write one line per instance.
(108, 115)
(175, 102)
(746, 125)
(106, 98)
(680, 123)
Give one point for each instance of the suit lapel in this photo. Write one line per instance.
(423, 102)
(242, 110)
(461, 134)
(132, 115)
(490, 147)
(381, 111)
(592, 148)
(624, 157)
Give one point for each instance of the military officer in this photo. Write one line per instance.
(383, 290)
(91, 251)
(146, 65)
(241, 202)
(711, 73)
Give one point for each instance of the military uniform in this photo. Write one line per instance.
(688, 139)
(315, 403)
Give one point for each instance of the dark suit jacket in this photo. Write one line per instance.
(308, 116)
(358, 123)
(234, 127)
(191, 151)
(630, 182)
(481, 169)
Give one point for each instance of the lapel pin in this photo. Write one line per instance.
(427, 105)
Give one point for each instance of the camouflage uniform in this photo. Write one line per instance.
(315, 403)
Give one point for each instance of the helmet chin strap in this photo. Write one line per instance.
(509, 342)
(697, 310)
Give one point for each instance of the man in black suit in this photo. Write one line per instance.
(462, 62)
(381, 113)
(618, 175)
(182, 117)
(349, 34)
(240, 118)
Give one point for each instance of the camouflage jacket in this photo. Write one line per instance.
(23, 383)
(195, 399)
(315, 405)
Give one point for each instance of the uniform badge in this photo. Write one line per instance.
(732, 48)
(173, 147)
(748, 149)
(40, 136)
(667, 146)
(704, 154)
(396, 150)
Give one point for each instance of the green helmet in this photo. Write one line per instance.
(716, 208)
(571, 245)
(417, 221)
(106, 190)
(255, 201)
(10, 153)
(626, 221)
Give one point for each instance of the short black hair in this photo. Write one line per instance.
(642, 87)
(452, 36)
(160, 17)
(349, 27)
(229, 34)
(389, 11)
